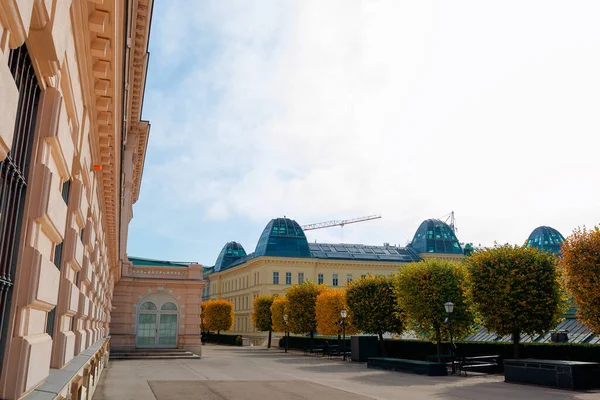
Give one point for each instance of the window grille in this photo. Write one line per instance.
(13, 179)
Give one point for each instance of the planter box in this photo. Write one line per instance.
(363, 347)
(413, 366)
(572, 375)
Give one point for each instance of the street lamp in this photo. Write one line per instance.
(344, 314)
(449, 306)
(287, 337)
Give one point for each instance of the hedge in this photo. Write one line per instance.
(229, 340)
(419, 350)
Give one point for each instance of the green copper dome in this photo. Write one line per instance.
(435, 236)
(282, 237)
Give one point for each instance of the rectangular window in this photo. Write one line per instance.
(66, 188)
(275, 278)
(288, 278)
(320, 279)
(58, 255)
(349, 278)
(335, 279)
(50, 322)
(81, 234)
(300, 278)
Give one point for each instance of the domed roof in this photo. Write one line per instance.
(435, 236)
(282, 237)
(545, 238)
(231, 252)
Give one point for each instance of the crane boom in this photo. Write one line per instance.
(321, 225)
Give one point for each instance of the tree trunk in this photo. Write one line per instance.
(382, 348)
(269, 344)
(312, 340)
(218, 336)
(515, 337)
(339, 339)
(438, 340)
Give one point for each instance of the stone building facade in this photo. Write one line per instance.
(72, 148)
(156, 304)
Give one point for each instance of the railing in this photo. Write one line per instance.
(13, 179)
(163, 272)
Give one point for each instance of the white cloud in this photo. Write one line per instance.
(331, 109)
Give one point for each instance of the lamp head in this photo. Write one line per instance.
(344, 313)
(285, 317)
(449, 307)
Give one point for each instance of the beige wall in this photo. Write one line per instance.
(245, 282)
(83, 69)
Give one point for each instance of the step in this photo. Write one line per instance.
(153, 357)
(146, 354)
(149, 350)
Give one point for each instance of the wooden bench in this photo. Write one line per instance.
(337, 351)
(489, 363)
(414, 366)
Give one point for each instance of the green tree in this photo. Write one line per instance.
(422, 289)
(261, 315)
(301, 308)
(581, 263)
(218, 315)
(517, 290)
(373, 307)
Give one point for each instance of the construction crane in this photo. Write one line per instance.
(450, 217)
(341, 223)
(328, 224)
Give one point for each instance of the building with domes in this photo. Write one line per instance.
(283, 257)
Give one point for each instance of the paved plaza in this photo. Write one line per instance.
(257, 373)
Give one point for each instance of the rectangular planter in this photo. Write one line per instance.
(412, 366)
(572, 375)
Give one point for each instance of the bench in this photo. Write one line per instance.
(337, 351)
(314, 350)
(414, 366)
(478, 362)
(574, 375)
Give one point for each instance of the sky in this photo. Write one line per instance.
(336, 109)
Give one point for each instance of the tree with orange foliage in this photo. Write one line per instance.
(218, 315)
(329, 305)
(278, 310)
(580, 262)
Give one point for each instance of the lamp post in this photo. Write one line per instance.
(344, 314)
(449, 306)
(287, 337)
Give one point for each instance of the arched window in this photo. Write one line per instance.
(148, 306)
(169, 307)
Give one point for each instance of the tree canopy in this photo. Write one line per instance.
(581, 263)
(301, 307)
(516, 290)
(261, 313)
(278, 310)
(218, 315)
(372, 306)
(422, 289)
(329, 305)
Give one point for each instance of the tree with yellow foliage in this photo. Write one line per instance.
(581, 263)
(329, 305)
(261, 315)
(424, 287)
(302, 300)
(218, 315)
(516, 290)
(278, 310)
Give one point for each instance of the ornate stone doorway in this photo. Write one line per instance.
(157, 322)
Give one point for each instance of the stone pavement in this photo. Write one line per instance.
(258, 373)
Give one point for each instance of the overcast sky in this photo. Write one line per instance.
(322, 110)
